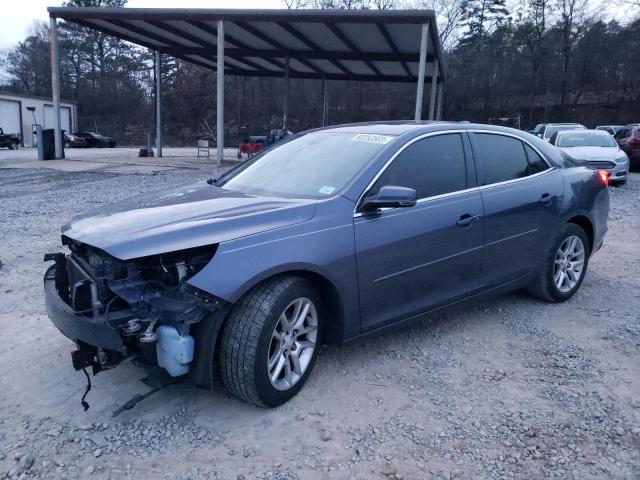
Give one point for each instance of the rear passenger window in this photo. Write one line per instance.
(501, 158)
(622, 133)
(536, 162)
(432, 166)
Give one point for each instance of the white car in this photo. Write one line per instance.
(597, 148)
(550, 129)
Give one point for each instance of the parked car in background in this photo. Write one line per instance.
(74, 141)
(550, 128)
(10, 140)
(95, 140)
(597, 148)
(537, 130)
(611, 129)
(628, 139)
(331, 235)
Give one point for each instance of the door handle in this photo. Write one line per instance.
(547, 198)
(467, 220)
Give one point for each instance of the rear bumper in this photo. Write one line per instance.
(79, 328)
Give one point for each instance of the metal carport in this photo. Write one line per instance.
(365, 45)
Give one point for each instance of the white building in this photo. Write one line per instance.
(15, 116)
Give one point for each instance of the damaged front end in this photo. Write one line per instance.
(113, 309)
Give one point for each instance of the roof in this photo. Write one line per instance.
(584, 130)
(34, 97)
(333, 44)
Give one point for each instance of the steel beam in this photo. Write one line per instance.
(301, 55)
(432, 99)
(158, 104)
(328, 76)
(55, 85)
(351, 46)
(286, 95)
(421, 70)
(220, 94)
(393, 46)
(324, 102)
(309, 43)
(439, 104)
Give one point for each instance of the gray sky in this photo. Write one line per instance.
(18, 15)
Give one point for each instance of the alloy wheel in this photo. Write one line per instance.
(293, 343)
(569, 264)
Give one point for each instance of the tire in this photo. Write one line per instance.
(249, 343)
(67, 145)
(545, 286)
(13, 146)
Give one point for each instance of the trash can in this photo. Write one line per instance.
(49, 144)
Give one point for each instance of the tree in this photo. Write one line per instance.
(450, 16)
(340, 4)
(570, 26)
(531, 32)
(482, 16)
(296, 4)
(29, 63)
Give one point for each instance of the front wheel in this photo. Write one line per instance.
(565, 266)
(270, 341)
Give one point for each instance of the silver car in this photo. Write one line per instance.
(598, 148)
(612, 129)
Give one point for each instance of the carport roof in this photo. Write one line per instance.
(332, 44)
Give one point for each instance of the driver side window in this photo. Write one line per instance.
(431, 166)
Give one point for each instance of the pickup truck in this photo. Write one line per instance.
(10, 140)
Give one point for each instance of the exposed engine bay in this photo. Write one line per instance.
(143, 306)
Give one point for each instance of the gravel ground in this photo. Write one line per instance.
(510, 388)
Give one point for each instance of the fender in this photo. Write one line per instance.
(324, 247)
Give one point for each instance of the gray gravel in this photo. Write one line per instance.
(510, 388)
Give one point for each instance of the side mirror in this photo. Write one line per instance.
(390, 196)
(212, 181)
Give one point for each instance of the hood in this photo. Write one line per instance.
(182, 217)
(593, 153)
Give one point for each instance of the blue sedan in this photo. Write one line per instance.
(332, 235)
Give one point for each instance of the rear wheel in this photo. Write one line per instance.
(565, 266)
(270, 341)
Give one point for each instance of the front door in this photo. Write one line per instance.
(412, 259)
(521, 194)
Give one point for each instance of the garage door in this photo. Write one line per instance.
(10, 116)
(65, 118)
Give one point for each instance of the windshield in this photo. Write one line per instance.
(556, 128)
(586, 139)
(315, 165)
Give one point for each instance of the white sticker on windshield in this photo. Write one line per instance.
(372, 138)
(326, 190)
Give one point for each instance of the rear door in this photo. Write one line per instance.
(10, 116)
(65, 118)
(415, 258)
(521, 194)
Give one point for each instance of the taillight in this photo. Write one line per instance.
(603, 177)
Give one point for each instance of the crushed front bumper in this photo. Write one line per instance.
(79, 328)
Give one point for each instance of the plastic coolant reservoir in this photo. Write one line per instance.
(174, 351)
